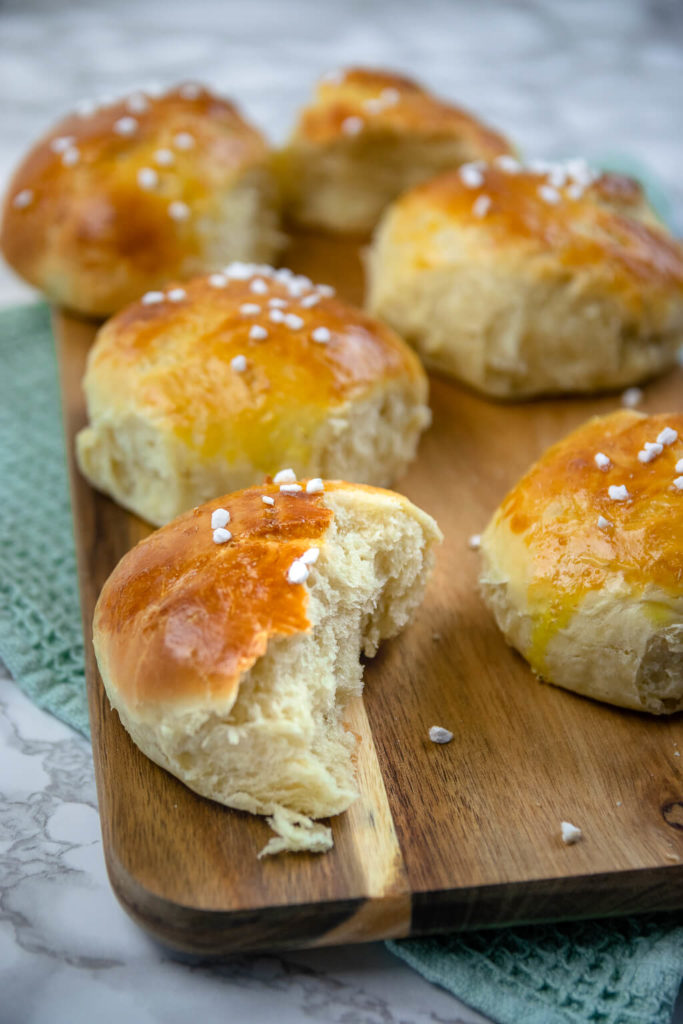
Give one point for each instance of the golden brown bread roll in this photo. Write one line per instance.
(207, 387)
(125, 197)
(524, 281)
(366, 137)
(583, 562)
(229, 641)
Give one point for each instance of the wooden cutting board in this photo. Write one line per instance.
(443, 837)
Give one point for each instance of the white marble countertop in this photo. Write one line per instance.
(600, 78)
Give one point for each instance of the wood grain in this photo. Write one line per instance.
(443, 837)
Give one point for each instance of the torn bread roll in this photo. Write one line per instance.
(202, 389)
(367, 136)
(229, 651)
(124, 196)
(582, 564)
(520, 281)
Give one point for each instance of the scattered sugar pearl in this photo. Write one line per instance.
(239, 271)
(373, 105)
(276, 316)
(183, 140)
(310, 556)
(258, 286)
(481, 206)
(618, 492)
(321, 335)
(315, 486)
(239, 364)
(471, 176)
(267, 500)
(126, 126)
(667, 436)
(310, 300)
(250, 309)
(258, 333)
(164, 158)
(650, 451)
(220, 536)
(474, 542)
(570, 833)
(177, 294)
(178, 210)
(326, 290)
(557, 177)
(190, 91)
(603, 523)
(293, 321)
(291, 488)
(549, 194)
(285, 476)
(71, 157)
(218, 280)
(86, 108)
(137, 103)
(438, 734)
(23, 199)
(352, 125)
(277, 303)
(601, 460)
(508, 164)
(679, 466)
(575, 191)
(297, 572)
(632, 397)
(148, 178)
(678, 483)
(152, 298)
(389, 96)
(62, 143)
(219, 517)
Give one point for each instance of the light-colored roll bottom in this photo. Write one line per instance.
(150, 471)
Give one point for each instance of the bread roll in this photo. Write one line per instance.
(365, 138)
(230, 651)
(526, 281)
(207, 387)
(122, 198)
(582, 564)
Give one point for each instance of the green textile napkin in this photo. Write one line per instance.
(620, 972)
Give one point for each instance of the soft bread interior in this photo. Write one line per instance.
(281, 748)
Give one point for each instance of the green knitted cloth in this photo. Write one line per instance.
(617, 972)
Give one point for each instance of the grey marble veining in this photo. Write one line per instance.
(601, 79)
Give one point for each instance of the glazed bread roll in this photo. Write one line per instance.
(205, 388)
(365, 138)
(582, 564)
(229, 642)
(122, 198)
(526, 281)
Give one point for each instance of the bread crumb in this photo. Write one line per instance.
(570, 833)
(437, 734)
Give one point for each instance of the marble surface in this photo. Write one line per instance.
(600, 79)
